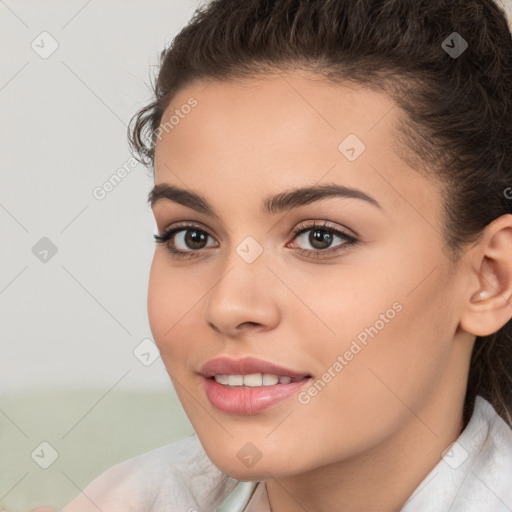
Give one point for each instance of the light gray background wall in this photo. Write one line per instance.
(78, 316)
(70, 321)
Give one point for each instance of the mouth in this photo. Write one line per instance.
(254, 380)
(249, 385)
(246, 395)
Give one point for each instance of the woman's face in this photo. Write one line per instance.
(371, 320)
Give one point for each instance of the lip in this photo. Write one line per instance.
(246, 401)
(246, 366)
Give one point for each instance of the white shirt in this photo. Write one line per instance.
(475, 475)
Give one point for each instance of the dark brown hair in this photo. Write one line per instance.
(456, 110)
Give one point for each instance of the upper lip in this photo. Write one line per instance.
(245, 366)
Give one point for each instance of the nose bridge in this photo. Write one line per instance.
(243, 270)
(241, 293)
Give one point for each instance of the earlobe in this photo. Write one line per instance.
(489, 306)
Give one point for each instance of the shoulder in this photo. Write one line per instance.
(474, 474)
(178, 475)
(495, 457)
(483, 480)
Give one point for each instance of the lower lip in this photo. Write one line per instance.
(247, 401)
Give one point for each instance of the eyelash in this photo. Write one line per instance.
(166, 238)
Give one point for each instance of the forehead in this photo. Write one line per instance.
(288, 129)
(276, 111)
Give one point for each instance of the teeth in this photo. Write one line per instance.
(222, 379)
(269, 379)
(252, 380)
(235, 380)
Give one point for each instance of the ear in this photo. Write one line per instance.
(489, 302)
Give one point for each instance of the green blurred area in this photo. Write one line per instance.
(89, 429)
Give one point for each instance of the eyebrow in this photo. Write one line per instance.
(272, 205)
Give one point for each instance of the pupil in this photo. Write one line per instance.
(320, 236)
(194, 239)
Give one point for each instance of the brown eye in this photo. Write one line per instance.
(192, 239)
(321, 239)
(184, 241)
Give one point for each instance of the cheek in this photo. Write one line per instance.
(394, 337)
(392, 355)
(157, 300)
(169, 302)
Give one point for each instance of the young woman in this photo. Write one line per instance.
(331, 286)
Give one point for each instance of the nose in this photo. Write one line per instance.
(243, 299)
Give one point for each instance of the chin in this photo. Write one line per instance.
(259, 471)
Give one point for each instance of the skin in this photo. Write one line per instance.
(368, 439)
